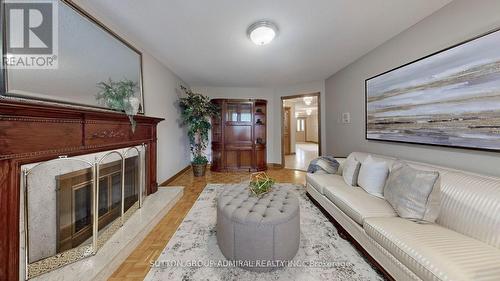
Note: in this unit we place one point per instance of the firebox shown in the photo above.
(74, 208)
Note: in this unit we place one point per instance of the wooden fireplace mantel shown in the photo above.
(34, 132)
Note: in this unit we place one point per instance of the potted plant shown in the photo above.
(120, 95)
(196, 111)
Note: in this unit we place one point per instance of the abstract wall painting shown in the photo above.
(450, 98)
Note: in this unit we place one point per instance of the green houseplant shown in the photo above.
(120, 95)
(196, 110)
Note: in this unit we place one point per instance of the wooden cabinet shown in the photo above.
(239, 135)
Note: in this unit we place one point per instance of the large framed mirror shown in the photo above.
(86, 63)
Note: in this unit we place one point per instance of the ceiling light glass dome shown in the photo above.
(262, 32)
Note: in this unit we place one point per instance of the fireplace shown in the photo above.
(61, 197)
(74, 200)
(40, 132)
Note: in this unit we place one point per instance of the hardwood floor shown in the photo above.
(136, 266)
(304, 153)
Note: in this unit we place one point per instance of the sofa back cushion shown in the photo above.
(470, 203)
(413, 193)
(351, 170)
(373, 175)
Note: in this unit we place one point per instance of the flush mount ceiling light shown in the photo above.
(262, 32)
(308, 100)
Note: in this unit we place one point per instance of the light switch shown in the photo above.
(346, 118)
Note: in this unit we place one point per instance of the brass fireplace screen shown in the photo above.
(73, 197)
(112, 186)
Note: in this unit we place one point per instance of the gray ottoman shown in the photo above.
(252, 229)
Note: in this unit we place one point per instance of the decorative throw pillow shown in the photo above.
(350, 171)
(414, 194)
(372, 176)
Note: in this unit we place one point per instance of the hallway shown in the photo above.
(305, 152)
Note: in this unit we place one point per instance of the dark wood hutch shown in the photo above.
(239, 135)
(35, 132)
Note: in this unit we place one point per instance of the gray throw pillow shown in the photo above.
(350, 171)
(414, 194)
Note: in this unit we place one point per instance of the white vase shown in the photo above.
(134, 105)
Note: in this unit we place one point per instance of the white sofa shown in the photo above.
(463, 244)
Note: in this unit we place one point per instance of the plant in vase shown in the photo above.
(120, 95)
(196, 111)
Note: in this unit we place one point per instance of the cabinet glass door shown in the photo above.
(245, 112)
(232, 112)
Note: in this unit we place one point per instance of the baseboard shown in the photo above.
(274, 165)
(174, 177)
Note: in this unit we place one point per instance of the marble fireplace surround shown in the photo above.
(42, 211)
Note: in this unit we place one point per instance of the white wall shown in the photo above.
(312, 127)
(161, 89)
(161, 95)
(456, 22)
(273, 97)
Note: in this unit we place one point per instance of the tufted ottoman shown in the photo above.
(252, 229)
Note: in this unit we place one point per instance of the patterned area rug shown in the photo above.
(193, 254)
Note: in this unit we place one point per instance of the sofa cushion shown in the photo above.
(433, 252)
(358, 204)
(351, 170)
(413, 193)
(372, 176)
(319, 181)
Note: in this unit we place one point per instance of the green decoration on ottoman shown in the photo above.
(260, 183)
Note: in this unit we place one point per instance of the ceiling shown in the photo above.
(205, 44)
(300, 106)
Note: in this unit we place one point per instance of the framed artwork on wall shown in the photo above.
(449, 98)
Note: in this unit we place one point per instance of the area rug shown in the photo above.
(193, 254)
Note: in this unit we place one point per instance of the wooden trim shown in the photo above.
(283, 98)
(299, 96)
(275, 165)
(287, 108)
(177, 175)
(346, 236)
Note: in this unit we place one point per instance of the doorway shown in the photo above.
(301, 133)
